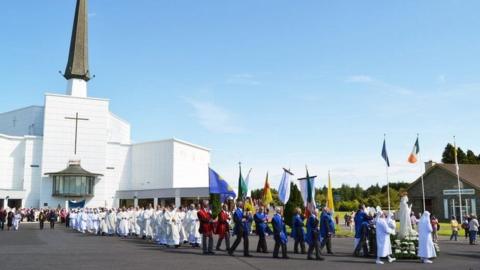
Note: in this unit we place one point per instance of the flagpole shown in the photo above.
(388, 182)
(458, 179)
(422, 167)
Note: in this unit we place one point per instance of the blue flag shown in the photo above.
(384, 153)
(217, 185)
(284, 188)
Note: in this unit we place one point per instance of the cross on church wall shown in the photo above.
(76, 118)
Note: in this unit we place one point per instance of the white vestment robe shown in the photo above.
(147, 223)
(173, 235)
(181, 229)
(426, 249)
(111, 222)
(192, 227)
(383, 231)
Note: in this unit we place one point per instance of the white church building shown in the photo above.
(74, 149)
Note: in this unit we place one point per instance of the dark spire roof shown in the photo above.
(77, 66)
(74, 169)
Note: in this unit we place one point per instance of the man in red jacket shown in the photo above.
(206, 228)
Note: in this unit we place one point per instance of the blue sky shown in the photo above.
(271, 83)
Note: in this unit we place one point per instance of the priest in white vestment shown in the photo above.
(95, 222)
(111, 222)
(147, 222)
(192, 227)
(383, 232)
(426, 248)
(173, 236)
(123, 226)
(181, 229)
(139, 223)
(102, 216)
(73, 219)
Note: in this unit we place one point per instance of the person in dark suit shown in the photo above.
(240, 229)
(279, 234)
(261, 228)
(327, 230)
(313, 234)
(298, 232)
(41, 219)
(52, 217)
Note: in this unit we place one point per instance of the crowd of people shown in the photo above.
(172, 227)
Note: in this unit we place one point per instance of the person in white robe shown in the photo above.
(147, 222)
(131, 221)
(181, 229)
(155, 223)
(162, 228)
(83, 221)
(79, 220)
(426, 248)
(173, 235)
(90, 228)
(123, 223)
(193, 226)
(95, 222)
(383, 232)
(102, 216)
(73, 219)
(16, 220)
(111, 222)
(139, 222)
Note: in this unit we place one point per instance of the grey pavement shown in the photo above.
(30, 248)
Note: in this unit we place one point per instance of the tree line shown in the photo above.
(469, 157)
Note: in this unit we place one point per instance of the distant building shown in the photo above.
(441, 190)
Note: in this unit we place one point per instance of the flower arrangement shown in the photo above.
(407, 248)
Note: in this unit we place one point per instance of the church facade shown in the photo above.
(73, 148)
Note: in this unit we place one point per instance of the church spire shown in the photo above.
(77, 66)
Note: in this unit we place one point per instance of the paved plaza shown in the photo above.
(30, 248)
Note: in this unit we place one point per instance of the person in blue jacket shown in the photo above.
(313, 236)
(327, 230)
(360, 216)
(260, 219)
(241, 230)
(298, 232)
(279, 234)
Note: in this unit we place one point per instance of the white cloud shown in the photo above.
(368, 80)
(214, 117)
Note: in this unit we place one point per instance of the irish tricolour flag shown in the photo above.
(413, 156)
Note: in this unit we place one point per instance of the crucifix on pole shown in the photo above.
(76, 118)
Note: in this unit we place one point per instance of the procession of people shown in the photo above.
(195, 226)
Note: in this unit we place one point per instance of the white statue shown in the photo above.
(404, 216)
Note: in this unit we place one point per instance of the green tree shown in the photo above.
(294, 201)
(448, 155)
(215, 204)
(471, 157)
